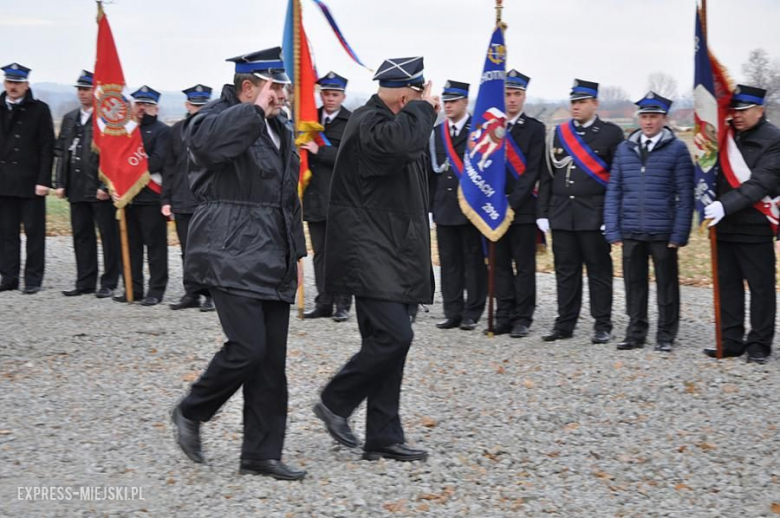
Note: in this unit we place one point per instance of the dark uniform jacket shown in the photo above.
(316, 195)
(760, 147)
(529, 134)
(379, 204)
(77, 164)
(155, 136)
(651, 201)
(26, 146)
(444, 186)
(246, 235)
(568, 196)
(176, 190)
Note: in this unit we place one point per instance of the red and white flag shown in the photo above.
(116, 135)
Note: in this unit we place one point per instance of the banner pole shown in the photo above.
(126, 271)
(296, 128)
(491, 284)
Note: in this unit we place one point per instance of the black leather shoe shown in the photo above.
(187, 301)
(664, 346)
(499, 329)
(271, 468)
(337, 426)
(208, 305)
(727, 353)
(601, 337)
(519, 331)
(319, 312)
(31, 290)
(628, 344)
(9, 287)
(122, 298)
(448, 323)
(104, 293)
(760, 359)
(150, 301)
(556, 335)
(78, 291)
(396, 452)
(187, 435)
(468, 324)
(341, 315)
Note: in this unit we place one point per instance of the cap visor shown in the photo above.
(275, 77)
(742, 106)
(329, 87)
(16, 79)
(579, 97)
(452, 97)
(515, 87)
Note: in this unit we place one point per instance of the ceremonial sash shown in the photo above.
(736, 171)
(155, 182)
(582, 153)
(322, 140)
(455, 160)
(515, 159)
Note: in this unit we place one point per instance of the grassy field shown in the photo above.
(695, 267)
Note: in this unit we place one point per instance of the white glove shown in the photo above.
(543, 224)
(715, 212)
(603, 228)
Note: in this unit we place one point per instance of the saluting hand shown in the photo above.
(432, 99)
(267, 97)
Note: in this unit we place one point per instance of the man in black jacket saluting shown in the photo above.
(381, 252)
(245, 239)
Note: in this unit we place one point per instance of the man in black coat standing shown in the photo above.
(461, 251)
(381, 253)
(146, 226)
(177, 198)
(515, 255)
(90, 204)
(571, 203)
(26, 156)
(245, 240)
(333, 117)
(746, 218)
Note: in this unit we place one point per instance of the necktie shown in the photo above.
(453, 131)
(327, 120)
(645, 150)
(510, 126)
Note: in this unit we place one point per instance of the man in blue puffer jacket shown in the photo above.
(648, 210)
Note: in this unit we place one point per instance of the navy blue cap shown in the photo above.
(401, 73)
(584, 90)
(654, 103)
(454, 90)
(198, 94)
(516, 81)
(746, 97)
(146, 94)
(332, 81)
(266, 64)
(16, 73)
(86, 79)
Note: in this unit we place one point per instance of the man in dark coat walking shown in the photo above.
(26, 156)
(90, 204)
(177, 198)
(245, 240)
(381, 253)
(515, 255)
(146, 226)
(333, 117)
(571, 203)
(648, 210)
(746, 218)
(461, 251)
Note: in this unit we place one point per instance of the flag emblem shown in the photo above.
(113, 110)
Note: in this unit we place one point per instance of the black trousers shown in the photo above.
(375, 373)
(515, 278)
(754, 263)
(317, 231)
(15, 212)
(462, 260)
(147, 227)
(254, 357)
(182, 221)
(83, 218)
(571, 251)
(667, 281)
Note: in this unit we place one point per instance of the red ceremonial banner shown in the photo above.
(116, 135)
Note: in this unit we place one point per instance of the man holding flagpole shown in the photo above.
(746, 216)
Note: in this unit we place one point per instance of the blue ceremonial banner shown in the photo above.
(706, 122)
(482, 192)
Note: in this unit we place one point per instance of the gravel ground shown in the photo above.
(515, 427)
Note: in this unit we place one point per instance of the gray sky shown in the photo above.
(173, 44)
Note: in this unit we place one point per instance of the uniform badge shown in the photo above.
(198, 88)
(331, 76)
